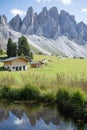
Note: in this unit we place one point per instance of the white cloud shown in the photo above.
(46, 0)
(38, 0)
(63, 1)
(66, 1)
(17, 11)
(84, 10)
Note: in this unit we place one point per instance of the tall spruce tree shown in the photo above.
(14, 49)
(11, 48)
(23, 47)
(1, 50)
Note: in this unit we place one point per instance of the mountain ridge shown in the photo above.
(50, 24)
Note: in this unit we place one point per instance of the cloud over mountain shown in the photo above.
(66, 2)
(17, 11)
(46, 0)
(84, 10)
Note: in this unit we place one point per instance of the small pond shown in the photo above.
(19, 116)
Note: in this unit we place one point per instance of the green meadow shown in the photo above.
(58, 72)
(65, 72)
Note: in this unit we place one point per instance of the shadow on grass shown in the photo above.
(2, 69)
(1, 60)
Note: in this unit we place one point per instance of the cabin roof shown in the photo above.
(13, 58)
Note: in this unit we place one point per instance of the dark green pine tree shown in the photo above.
(11, 48)
(1, 50)
(14, 49)
(23, 47)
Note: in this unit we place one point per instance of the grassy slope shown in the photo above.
(58, 72)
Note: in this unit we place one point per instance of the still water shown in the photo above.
(19, 116)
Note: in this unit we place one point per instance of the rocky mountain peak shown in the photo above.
(29, 13)
(67, 15)
(44, 11)
(53, 12)
(16, 22)
(81, 24)
(68, 25)
(28, 22)
(30, 10)
(82, 30)
(53, 9)
(50, 24)
(42, 17)
(3, 20)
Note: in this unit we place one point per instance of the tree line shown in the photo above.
(21, 48)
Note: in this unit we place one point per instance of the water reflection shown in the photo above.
(27, 117)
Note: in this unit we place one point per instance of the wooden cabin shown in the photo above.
(16, 63)
(35, 64)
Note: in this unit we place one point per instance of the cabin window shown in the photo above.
(13, 67)
(23, 67)
(8, 68)
(16, 68)
(20, 68)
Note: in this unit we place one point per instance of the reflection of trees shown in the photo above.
(33, 119)
(34, 114)
(79, 123)
(48, 116)
(45, 114)
(18, 113)
(4, 114)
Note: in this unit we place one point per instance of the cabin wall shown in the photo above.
(16, 65)
(7, 64)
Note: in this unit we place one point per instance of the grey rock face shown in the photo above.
(42, 17)
(53, 12)
(68, 25)
(55, 24)
(46, 23)
(50, 24)
(28, 22)
(3, 20)
(82, 30)
(15, 23)
(41, 21)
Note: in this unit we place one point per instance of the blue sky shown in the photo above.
(75, 7)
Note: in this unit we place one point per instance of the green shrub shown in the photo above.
(48, 97)
(72, 103)
(13, 94)
(29, 93)
(77, 104)
(62, 96)
(26, 93)
(84, 111)
(63, 100)
(5, 92)
(78, 98)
